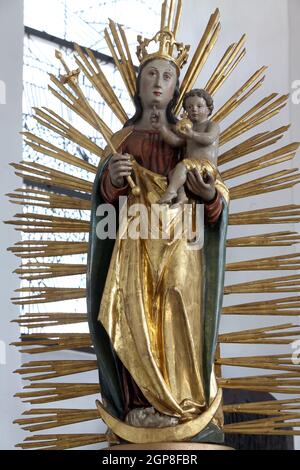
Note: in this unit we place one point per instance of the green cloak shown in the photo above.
(99, 255)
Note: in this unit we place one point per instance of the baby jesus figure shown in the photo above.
(199, 136)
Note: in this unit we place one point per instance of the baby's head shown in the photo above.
(198, 104)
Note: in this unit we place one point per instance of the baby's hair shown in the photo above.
(202, 94)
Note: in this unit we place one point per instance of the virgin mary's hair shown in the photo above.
(201, 94)
(171, 118)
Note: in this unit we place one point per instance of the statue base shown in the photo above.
(170, 446)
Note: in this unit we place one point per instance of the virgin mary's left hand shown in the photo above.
(205, 190)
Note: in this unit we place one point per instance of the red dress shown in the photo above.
(151, 152)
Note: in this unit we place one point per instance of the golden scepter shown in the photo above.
(134, 188)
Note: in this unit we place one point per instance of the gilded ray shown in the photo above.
(177, 17)
(41, 295)
(50, 392)
(285, 179)
(72, 102)
(49, 342)
(276, 157)
(273, 263)
(170, 14)
(118, 46)
(241, 95)
(287, 383)
(43, 320)
(261, 112)
(272, 215)
(266, 239)
(74, 97)
(47, 248)
(275, 284)
(55, 123)
(232, 57)
(45, 418)
(92, 70)
(47, 199)
(36, 173)
(283, 362)
(201, 55)
(163, 15)
(269, 407)
(40, 223)
(61, 441)
(253, 144)
(274, 426)
(279, 334)
(287, 306)
(44, 370)
(39, 271)
(42, 146)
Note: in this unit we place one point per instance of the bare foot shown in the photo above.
(149, 418)
(181, 198)
(180, 201)
(168, 197)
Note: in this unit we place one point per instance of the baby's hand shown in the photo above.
(185, 131)
(155, 119)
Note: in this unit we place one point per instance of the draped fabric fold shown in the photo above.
(154, 306)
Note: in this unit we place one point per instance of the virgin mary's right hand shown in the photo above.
(120, 166)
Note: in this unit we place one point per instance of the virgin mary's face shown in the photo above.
(158, 83)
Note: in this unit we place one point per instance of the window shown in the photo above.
(56, 24)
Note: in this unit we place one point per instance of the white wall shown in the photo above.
(294, 70)
(294, 47)
(272, 33)
(11, 41)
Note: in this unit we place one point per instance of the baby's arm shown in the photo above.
(209, 137)
(171, 138)
(166, 133)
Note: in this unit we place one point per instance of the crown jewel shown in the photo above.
(168, 48)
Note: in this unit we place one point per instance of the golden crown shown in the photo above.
(169, 48)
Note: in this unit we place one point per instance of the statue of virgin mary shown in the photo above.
(154, 303)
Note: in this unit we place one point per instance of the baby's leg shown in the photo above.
(176, 181)
(181, 197)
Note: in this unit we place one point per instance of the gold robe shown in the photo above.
(152, 308)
